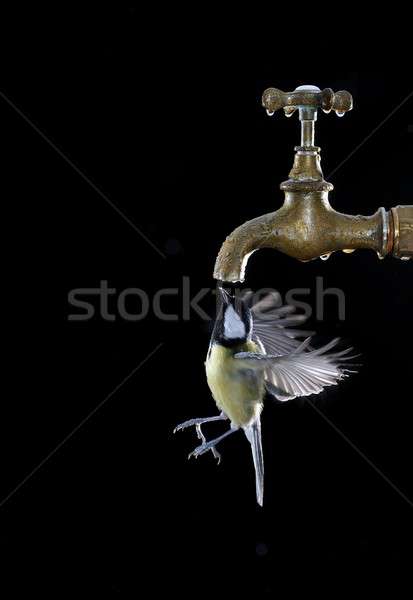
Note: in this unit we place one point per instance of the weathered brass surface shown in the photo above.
(273, 99)
(306, 226)
(307, 166)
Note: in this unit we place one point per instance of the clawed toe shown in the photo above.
(199, 450)
(202, 449)
(205, 446)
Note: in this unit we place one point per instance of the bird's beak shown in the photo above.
(224, 295)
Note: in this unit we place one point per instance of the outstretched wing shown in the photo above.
(302, 372)
(273, 324)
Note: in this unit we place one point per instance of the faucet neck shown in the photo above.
(307, 164)
(308, 117)
(306, 174)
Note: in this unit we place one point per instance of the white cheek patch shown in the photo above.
(233, 324)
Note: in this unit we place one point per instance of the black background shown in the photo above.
(177, 140)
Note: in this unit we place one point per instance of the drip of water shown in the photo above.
(380, 256)
(339, 113)
(270, 112)
(325, 256)
(288, 113)
(326, 110)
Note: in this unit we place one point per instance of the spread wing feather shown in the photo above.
(302, 372)
(272, 324)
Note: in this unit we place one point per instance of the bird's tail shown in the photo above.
(253, 433)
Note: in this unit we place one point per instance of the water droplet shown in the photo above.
(325, 256)
(289, 111)
(348, 250)
(326, 110)
(339, 113)
(405, 257)
(380, 256)
(270, 112)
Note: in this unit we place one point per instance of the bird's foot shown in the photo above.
(197, 424)
(206, 446)
(201, 437)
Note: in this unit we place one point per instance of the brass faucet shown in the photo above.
(306, 226)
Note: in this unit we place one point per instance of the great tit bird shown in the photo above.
(253, 350)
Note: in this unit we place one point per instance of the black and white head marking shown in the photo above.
(234, 327)
(234, 322)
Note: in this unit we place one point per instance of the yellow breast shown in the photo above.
(237, 391)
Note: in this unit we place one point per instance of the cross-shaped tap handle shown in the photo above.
(307, 97)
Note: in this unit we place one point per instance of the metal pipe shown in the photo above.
(307, 133)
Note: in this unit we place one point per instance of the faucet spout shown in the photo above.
(305, 227)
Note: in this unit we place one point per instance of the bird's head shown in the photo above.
(233, 325)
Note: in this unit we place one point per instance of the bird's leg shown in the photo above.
(203, 440)
(200, 421)
(205, 446)
(197, 423)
